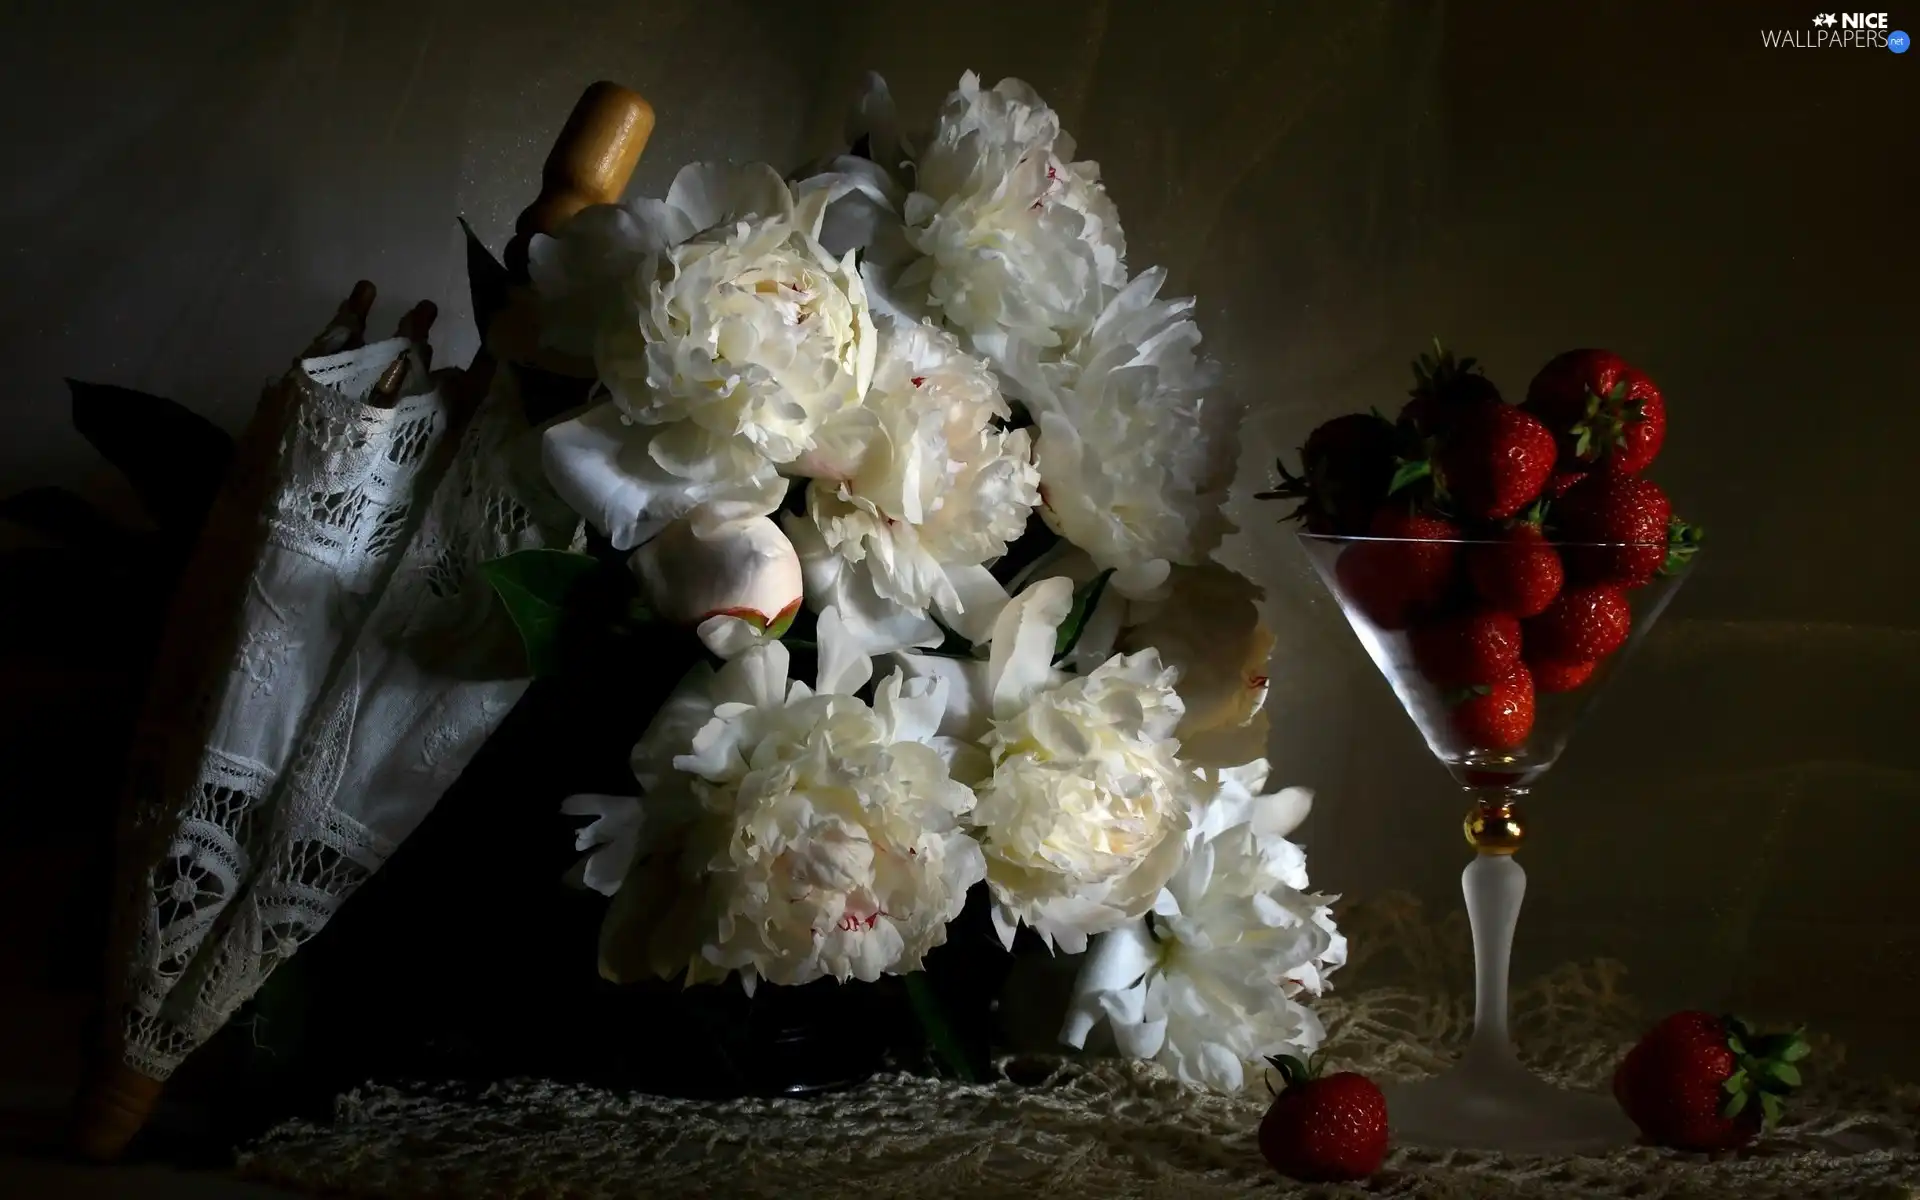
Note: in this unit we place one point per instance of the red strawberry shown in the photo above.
(1704, 1083)
(1472, 647)
(1324, 1128)
(1559, 675)
(1393, 581)
(1626, 510)
(1499, 715)
(1600, 409)
(1494, 460)
(1560, 481)
(1442, 387)
(1585, 624)
(1345, 467)
(1517, 571)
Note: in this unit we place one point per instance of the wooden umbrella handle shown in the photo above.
(590, 164)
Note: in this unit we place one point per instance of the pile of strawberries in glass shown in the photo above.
(1511, 535)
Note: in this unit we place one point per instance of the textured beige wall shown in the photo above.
(1339, 181)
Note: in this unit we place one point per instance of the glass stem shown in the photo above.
(1493, 885)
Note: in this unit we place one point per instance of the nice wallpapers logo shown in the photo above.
(1840, 31)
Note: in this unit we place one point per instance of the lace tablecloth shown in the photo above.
(1093, 1128)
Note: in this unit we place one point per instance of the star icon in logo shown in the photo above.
(1826, 19)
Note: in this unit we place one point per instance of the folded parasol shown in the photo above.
(332, 660)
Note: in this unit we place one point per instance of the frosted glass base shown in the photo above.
(1490, 1103)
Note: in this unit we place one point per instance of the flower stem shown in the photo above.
(933, 1024)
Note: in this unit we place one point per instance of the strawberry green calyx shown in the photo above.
(1764, 1072)
(1290, 487)
(1604, 425)
(1408, 472)
(1433, 373)
(1459, 696)
(1413, 455)
(1683, 540)
(1295, 1071)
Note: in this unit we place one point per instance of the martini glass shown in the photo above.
(1397, 594)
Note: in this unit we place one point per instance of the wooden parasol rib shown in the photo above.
(590, 163)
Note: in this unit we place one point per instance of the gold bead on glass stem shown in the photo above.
(1493, 825)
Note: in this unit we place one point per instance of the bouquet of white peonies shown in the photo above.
(910, 419)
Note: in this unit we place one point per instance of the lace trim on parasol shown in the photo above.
(264, 861)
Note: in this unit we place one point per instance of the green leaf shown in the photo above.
(538, 587)
(952, 645)
(1736, 1044)
(1086, 598)
(174, 458)
(1795, 1050)
(1736, 1082)
(1737, 1105)
(1027, 549)
(1409, 473)
(1785, 1073)
(487, 281)
(933, 1023)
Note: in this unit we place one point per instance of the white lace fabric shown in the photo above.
(1099, 1129)
(365, 668)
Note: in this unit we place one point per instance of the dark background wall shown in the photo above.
(191, 187)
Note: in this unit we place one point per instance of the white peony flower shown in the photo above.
(609, 840)
(1205, 622)
(1022, 247)
(1208, 985)
(632, 481)
(918, 490)
(1135, 459)
(817, 835)
(724, 332)
(1082, 802)
(753, 331)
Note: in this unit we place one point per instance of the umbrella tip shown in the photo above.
(113, 1109)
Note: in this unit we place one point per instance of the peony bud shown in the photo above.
(744, 569)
